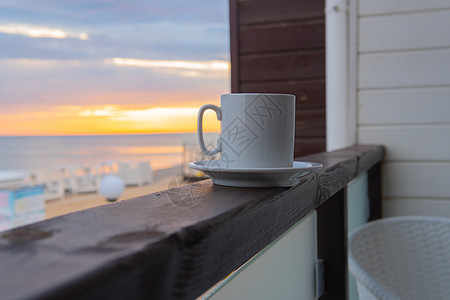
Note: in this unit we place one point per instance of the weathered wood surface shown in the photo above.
(266, 11)
(309, 123)
(279, 47)
(234, 50)
(282, 37)
(173, 244)
(282, 66)
(307, 145)
(309, 93)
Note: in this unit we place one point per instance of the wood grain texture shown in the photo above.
(173, 244)
(282, 66)
(308, 93)
(310, 123)
(282, 37)
(307, 145)
(405, 31)
(234, 45)
(266, 11)
(278, 47)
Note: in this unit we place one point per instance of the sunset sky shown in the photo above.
(110, 67)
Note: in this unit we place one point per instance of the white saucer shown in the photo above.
(255, 177)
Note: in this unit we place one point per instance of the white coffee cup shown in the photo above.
(257, 130)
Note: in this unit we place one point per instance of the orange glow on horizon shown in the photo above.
(105, 120)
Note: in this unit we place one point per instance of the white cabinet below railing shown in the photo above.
(282, 270)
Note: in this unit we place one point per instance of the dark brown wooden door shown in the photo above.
(278, 46)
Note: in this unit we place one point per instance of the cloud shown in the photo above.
(135, 53)
(34, 82)
(32, 62)
(41, 32)
(215, 68)
(156, 119)
(213, 65)
(169, 41)
(120, 113)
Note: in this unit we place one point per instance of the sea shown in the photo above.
(34, 153)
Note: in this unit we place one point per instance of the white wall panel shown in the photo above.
(404, 69)
(405, 106)
(400, 32)
(370, 7)
(404, 100)
(283, 270)
(357, 214)
(414, 207)
(416, 180)
(429, 142)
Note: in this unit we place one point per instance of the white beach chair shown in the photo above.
(139, 173)
(107, 168)
(146, 172)
(402, 258)
(53, 182)
(11, 179)
(82, 179)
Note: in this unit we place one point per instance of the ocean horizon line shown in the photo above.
(45, 152)
(96, 135)
(108, 134)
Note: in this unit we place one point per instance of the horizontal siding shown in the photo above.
(414, 207)
(372, 7)
(279, 47)
(416, 180)
(405, 106)
(282, 37)
(400, 32)
(412, 142)
(264, 11)
(310, 122)
(309, 93)
(305, 146)
(406, 69)
(282, 66)
(404, 100)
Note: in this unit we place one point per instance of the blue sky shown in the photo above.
(60, 54)
(144, 29)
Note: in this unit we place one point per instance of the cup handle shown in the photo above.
(201, 141)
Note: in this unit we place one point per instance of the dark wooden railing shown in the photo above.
(177, 243)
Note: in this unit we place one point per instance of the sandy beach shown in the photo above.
(163, 179)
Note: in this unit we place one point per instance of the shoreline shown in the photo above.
(72, 203)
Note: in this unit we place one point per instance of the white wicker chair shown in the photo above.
(402, 258)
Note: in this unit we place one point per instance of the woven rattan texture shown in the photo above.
(402, 258)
